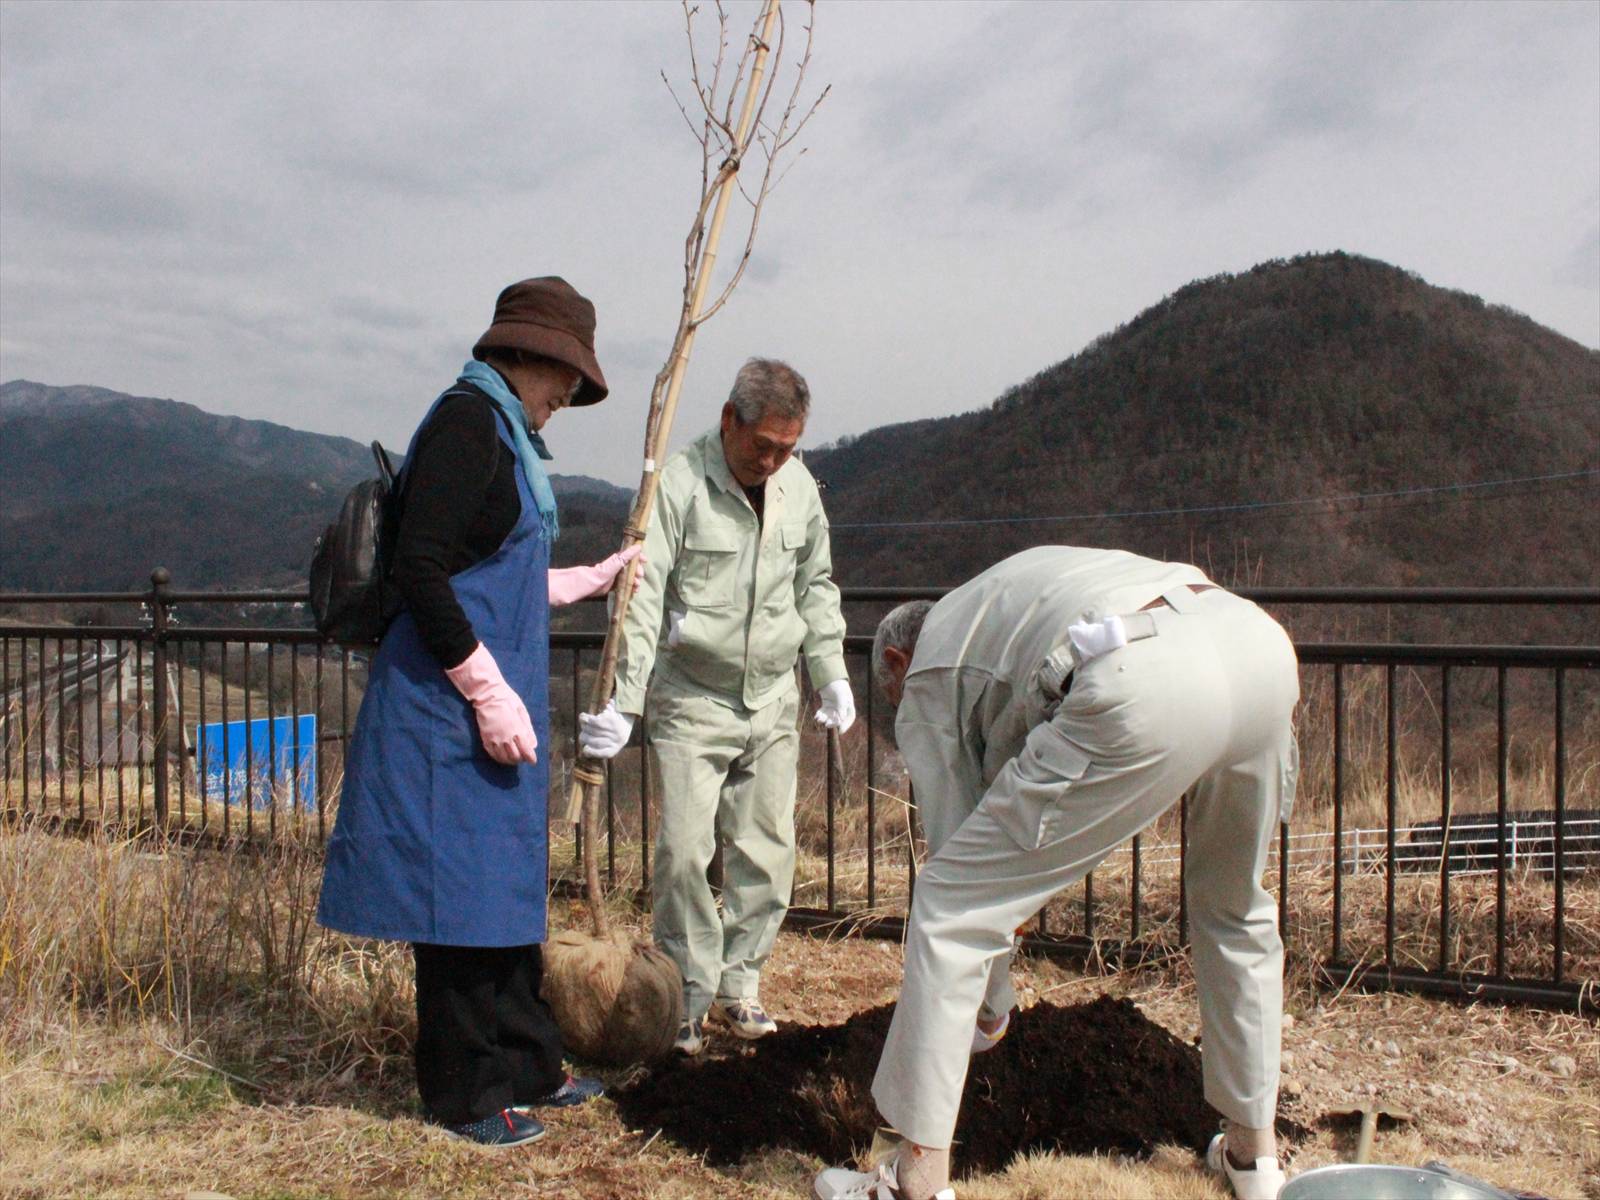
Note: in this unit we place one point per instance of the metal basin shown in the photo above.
(1370, 1181)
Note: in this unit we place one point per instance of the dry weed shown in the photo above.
(171, 1021)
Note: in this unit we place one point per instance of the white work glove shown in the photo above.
(838, 709)
(602, 734)
(1101, 637)
(674, 628)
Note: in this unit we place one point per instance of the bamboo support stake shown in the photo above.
(589, 774)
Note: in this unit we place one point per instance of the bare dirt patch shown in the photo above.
(1117, 1083)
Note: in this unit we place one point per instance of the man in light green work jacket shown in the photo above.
(737, 585)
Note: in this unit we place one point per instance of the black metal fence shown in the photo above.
(1446, 835)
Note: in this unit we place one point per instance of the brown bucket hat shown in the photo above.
(547, 316)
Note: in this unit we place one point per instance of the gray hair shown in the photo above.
(765, 385)
(899, 629)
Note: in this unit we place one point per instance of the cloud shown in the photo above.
(372, 313)
(633, 355)
(94, 202)
(304, 212)
(1582, 267)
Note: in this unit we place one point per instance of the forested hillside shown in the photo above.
(1328, 420)
(97, 488)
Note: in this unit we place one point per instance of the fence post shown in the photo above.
(835, 773)
(161, 735)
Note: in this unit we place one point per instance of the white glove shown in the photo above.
(674, 628)
(838, 709)
(1102, 637)
(602, 734)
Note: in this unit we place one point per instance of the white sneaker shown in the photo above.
(1262, 1183)
(691, 1038)
(841, 1183)
(983, 1042)
(744, 1018)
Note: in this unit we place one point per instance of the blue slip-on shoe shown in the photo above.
(578, 1089)
(503, 1129)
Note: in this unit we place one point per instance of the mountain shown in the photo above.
(1326, 420)
(99, 487)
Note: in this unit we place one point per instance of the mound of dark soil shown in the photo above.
(1092, 1077)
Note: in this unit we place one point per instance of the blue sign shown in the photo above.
(242, 762)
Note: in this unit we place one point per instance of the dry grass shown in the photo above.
(1470, 945)
(172, 1022)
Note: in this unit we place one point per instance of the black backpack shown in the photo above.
(353, 598)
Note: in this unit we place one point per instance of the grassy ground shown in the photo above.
(170, 1025)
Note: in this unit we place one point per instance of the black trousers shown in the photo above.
(485, 1039)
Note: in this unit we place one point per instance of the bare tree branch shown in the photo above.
(772, 141)
(681, 109)
(722, 156)
(725, 145)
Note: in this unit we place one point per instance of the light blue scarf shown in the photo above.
(530, 446)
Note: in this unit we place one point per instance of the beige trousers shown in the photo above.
(728, 774)
(1203, 705)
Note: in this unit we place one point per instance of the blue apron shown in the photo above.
(435, 841)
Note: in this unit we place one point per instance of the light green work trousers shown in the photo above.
(728, 775)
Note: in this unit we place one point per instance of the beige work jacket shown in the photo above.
(752, 594)
(978, 685)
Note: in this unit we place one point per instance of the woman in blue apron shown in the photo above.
(441, 836)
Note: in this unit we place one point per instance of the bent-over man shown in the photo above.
(1049, 710)
(737, 583)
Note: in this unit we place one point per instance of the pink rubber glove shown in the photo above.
(502, 719)
(579, 583)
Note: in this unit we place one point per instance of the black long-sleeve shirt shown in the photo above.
(458, 503)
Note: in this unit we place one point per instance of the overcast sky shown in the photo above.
(303, 211)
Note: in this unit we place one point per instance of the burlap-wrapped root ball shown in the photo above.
(617, 1001)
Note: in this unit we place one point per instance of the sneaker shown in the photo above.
(1263, 1182)
(745, 1018)
(841, 1183)
(575, 1091)
(508, 1127)
(691, 1038)
(983, 1042)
